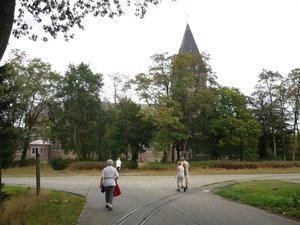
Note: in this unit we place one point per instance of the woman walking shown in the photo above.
(180, 176)
(108, 179)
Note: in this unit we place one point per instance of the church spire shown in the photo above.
(188, 43)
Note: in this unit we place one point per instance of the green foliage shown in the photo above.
(62, 16)
(76, 114)
(227, 127)
(24, 162)
(9, 134)
(156, 166)
(274, 195)
(129, 165)
(271, 156)
(60, 163)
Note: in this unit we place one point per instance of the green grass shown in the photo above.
(273, 195)
(50, 207)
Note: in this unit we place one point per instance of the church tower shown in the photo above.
(198, 67)
(188, 43)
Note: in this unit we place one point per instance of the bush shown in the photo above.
(59, 163)
(24, 162)
(158, 166)
(129, 165)
(87, 165)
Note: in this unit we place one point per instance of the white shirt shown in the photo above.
(109, 174)
(118, 163)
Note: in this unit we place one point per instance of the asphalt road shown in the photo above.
(154, 200)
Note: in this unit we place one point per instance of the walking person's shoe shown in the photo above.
(110, 208)
(178, 189)
(106, 205)
(184, 189)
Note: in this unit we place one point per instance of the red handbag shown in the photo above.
(117, 190)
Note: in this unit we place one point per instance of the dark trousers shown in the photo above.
(109, 194)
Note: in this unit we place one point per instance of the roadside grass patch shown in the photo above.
(24, 206)
(273, 195)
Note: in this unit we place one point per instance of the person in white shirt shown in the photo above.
(180, 176)
(118, 165)
(109, 177)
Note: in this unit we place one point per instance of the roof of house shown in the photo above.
(188, 43)
(39, 142)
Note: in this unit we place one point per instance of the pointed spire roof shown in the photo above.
(188, 43)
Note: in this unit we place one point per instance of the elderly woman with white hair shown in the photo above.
(108, 179)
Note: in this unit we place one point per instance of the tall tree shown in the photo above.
(191, 76)
(283, 130)
(9, 115)
(36, 83)
(169, 129)
(228, 127)
(62, 16)
(76, 116)
(134, 131)
(155, 89)
(293, 83)
(268, 82)
(176, 80)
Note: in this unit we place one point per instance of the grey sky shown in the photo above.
(242, 38)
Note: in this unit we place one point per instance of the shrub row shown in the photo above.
(61, 164)
(255, 165)
(229, 165)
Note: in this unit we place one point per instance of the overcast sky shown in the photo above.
(242, 38)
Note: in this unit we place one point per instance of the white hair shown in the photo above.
(110, 162)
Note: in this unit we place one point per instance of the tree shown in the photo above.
(133, 130)
(77, 112)
(293, 81)
(283, 130)
(268, 82)
(228, 127)
(155, 89)
(154, 86)
(62, 16)
(173, 84)
(36, 87)
(169, 129)
(191, 75)
(9, 114)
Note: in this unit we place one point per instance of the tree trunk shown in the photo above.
(25, 147)
(274, 141)
(7, 10)
(294, 135)
(178, 151)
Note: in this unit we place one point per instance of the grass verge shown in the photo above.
(276, 196)
(24, 206)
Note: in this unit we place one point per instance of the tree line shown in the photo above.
(186, 110)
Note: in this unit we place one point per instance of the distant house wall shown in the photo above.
(48, 150)
(149, 156)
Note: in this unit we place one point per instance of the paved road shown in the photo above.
(154, 200)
